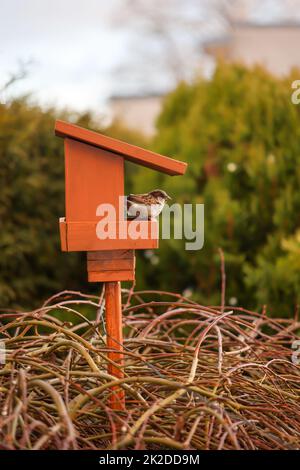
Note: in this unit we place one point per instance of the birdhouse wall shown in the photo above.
(93, 176)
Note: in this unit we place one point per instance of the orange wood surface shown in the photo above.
(63, 234)
(129, 152)
(113, 309)
(93, 177)
(116, 254)
(117, 265)
(111, 265)
(81, 236)
(108, 276)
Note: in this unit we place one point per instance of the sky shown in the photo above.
(73, 49)
(68, 46)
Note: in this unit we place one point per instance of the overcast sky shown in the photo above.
(76, 51)
(72, 47)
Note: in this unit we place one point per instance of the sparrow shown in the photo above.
(146, 206)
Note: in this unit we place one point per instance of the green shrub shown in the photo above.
(240, 134)
(32, 267)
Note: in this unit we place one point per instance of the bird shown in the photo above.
(146, 206)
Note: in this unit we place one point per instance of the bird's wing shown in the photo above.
(137, 198)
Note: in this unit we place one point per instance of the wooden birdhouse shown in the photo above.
(94, 175)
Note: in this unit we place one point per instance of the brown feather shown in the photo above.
(145, 199)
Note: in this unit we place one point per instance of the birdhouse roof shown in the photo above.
(130, 152)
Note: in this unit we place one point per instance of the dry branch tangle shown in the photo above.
(195, 378)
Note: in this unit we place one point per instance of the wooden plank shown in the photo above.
(112, 268)
(108, 276)
(81, 236)
(93, 177)
(115, 254)
(111, 265)
(63, 234)
(87, 244)
(113, 316)
(130, 152)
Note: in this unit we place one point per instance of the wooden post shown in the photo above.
(112, 267)
(113, 309)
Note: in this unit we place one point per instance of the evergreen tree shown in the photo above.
(240, 134)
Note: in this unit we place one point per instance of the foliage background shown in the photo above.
(240, 134)
(32, 266)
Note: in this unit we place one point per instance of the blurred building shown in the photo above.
(137, 112)
(274, 46)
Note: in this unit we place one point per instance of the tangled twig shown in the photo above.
(196, 377)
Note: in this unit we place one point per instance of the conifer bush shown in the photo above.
(240, 134)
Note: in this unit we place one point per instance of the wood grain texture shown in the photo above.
(63, 234)
(114, 331)
(111, 265)
(108, 276)
(93, 177)
(130, 152)
(81, 236)
(115, 254)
